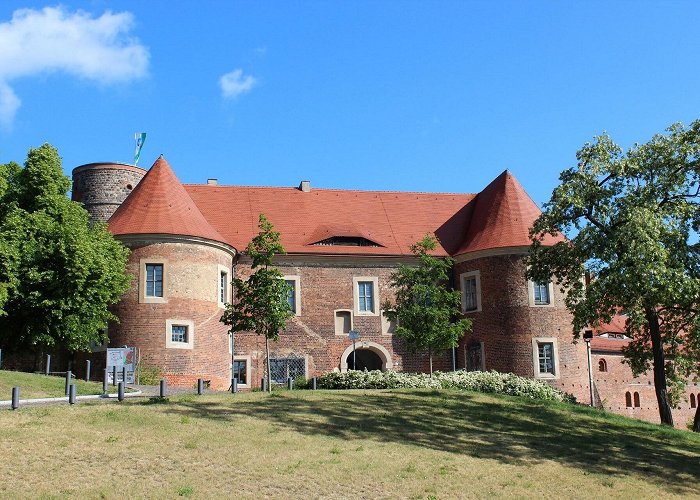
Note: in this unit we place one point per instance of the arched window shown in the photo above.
(636, 400)
(628, 400)
(602, 365)
(692, 401)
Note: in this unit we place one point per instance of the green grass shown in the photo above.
(363, 443)
(32, 386)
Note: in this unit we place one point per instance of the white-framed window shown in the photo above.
(540, 294)
(471, 291)
(343, 321)
(388, 326)
(366, 295)
(222, 295)
(179, 334)
(241, 370)
(293, 294)
(545, 357)
(153, 282)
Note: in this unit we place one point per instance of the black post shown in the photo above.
(88, 364)
(114, 375)
(48, 364)
(105, 381)
(313, 383)
(15, 398)
(234, 385)
(68, 377)
(200, 386)
(120, 391)
(290, 383)
(71, 394)
(163, 388)
(263, 384)
(124, 374)
(0, 358)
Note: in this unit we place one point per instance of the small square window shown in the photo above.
(541, 294)
(179, 334)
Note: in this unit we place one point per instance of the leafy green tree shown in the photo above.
(426, 308)
(631, 219)
(58, 273)
(260, 303)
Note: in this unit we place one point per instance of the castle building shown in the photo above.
(342, 246)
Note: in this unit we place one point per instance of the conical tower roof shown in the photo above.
(159, 204)
(503, 215)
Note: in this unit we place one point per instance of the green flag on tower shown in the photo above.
(140, 139)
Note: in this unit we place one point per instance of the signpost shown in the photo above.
(353, 335)
(121, 360)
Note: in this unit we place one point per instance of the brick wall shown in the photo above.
(102, 187)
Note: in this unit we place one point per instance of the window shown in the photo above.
(366, 295)
(240, 371)
(545, 357)
(628, 399)
(602, 366)
(343, 322)
(475, 357)
(223, 285)
(154, 280)
(293, 294)
(541, 293)
(471, 291)
(179, 334)
(636, 400)
(283, 368)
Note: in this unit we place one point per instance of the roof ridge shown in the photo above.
(292, 188)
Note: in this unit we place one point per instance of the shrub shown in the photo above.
(493, 382)
(148, 374)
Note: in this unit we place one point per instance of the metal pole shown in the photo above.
(290, 383)
(163, 388)
(124, 374)
(313, 383)
(234, 385)
(88, 365)
(200, 386)
(105, 381)
(114, 375)
(354, 361)
(590, 371)
(15, 398)
(71, 394)
(120, 391)
(0, 358)
(454, 360)
(68, 377)
(48, 364)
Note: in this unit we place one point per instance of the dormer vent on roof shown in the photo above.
(347, 241)
(305, 186)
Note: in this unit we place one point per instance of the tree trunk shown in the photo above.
(696, 422)
(659, 366)
(267, 360)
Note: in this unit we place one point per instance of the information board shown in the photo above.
(121, 357)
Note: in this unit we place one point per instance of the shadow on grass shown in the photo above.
(511, 430)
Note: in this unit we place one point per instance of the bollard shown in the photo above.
(0, 358)
(200, 386)
(114, 375)
(313, 383)
(71, 394)
(162, 388)
(234, 384)
(105, 381)
(15, 398)
(290, 383)
(120, 391)
(68, 377)
(87, 370)
(48, 364)
(263, 384)
(124, 374)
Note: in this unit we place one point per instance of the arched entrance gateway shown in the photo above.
(368, 355)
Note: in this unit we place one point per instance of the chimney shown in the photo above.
(212, 182)
(305, 186)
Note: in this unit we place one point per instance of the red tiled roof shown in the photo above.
(159, 204)
(393, 220)
(608, 345)
(503, 215)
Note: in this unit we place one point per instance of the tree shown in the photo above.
(631, 219)
(58, 273)
(261, 301)
(426, 308)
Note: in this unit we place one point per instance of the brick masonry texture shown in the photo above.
(103, 187)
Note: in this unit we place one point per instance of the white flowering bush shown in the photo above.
(494, 382)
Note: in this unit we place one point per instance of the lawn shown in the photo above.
(323, 444)
(41, 386)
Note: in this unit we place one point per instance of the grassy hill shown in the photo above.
(368, 444)
(40, 386)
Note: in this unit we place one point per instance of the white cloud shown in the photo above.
(53, 39)
(234, 83)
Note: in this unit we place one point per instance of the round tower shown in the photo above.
(102, 187)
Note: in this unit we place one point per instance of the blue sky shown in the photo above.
(391, 95)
